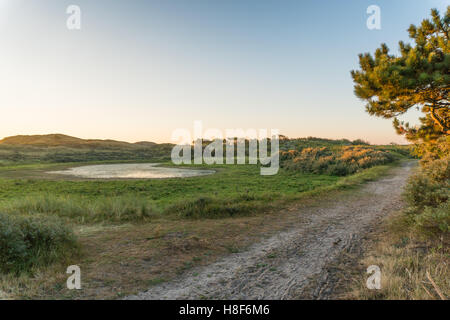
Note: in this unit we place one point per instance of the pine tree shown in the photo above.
(418, 78)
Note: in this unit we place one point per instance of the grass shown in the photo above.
(121, 254)
(136, 233)
(413, 266)
(64, 149)
(238, 188)
(414, 251)
(232, 191)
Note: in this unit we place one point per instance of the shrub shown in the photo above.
(428, 193)
(435, 219)
(205, 207)
(29, 242)
(339, 169)
(431, 185)
(360, 142)
(338, 161)
(122, 209)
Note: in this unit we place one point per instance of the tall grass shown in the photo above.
(413, 267)
(133, 209)
(81, 210)
(207, 207)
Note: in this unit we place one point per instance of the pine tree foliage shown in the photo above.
(418, 77)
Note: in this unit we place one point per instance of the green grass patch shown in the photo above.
(232, 191)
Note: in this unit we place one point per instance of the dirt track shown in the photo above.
(286, 265)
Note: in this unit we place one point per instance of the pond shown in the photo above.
(131, 171)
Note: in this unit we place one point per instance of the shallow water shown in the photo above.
(131, 171)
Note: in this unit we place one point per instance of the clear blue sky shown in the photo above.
(137, 70)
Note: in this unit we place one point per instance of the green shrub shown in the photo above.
(122, 209)
(339, 169)
(435, 219)
(431, 185)
(360, 142)
(29, 242)
(428, 192)
(337, 161)
(205, 207)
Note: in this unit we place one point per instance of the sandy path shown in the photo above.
(281, 267)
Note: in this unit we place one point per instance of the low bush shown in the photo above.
(30, 242)
(434, 219)
(340, 161)
(205, 207)
(428, 191)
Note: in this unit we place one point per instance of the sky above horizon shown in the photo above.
(138, 70)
